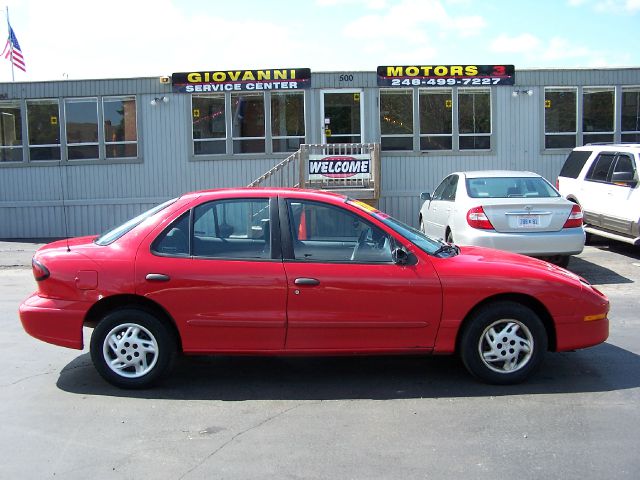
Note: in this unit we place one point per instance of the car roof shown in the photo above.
(608, 146)
(268, 191)
(498, 174)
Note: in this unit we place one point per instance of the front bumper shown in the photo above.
(54, 321)
(571, 336)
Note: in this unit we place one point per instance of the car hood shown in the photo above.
(511, 265)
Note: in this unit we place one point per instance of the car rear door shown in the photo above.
(344, 291)
(217, 270)
(622, 202)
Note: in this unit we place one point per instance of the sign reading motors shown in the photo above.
(241, 80)
(352, 167)
(446, 75)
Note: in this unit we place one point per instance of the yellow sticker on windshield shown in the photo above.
(364, 206)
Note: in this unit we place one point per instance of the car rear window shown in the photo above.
(114, 234)
(508, 187)
(574, 163)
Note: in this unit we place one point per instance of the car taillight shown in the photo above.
(476, 218)
(558, 184)
(575, 218)
(40, 272)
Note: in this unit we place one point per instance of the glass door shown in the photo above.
(342, 116)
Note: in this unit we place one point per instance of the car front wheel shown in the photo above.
(131, 348)
(503, 343)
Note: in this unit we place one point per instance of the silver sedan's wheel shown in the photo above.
(503, 342)
(130, 350)
(506, 346)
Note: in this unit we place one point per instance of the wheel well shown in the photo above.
(530, 302)
(98, 311)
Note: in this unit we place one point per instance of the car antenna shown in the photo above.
(64, 204)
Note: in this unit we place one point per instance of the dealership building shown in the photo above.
(77, 157)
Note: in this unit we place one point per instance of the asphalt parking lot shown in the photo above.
(357, 418)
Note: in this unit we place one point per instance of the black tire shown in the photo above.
(513, 355)
(145, 351)
(563, 261)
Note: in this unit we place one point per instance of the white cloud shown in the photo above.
(524, 43)
(608, 6)
(414, 23)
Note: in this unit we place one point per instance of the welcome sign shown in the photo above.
(351, 167)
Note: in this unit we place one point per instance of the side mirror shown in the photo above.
(424, 196)
(400, 256)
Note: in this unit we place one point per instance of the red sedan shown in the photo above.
(298, 272)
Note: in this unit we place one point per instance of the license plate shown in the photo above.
(530, 221)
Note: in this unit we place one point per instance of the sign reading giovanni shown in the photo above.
(352, 167)
(241, 80)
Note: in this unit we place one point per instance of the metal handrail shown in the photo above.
(291, 172)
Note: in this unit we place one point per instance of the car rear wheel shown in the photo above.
(503, 343)
(449, 237)
(131, 348)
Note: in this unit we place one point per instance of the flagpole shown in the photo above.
(13, 78)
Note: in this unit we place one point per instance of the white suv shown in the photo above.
(603, 180)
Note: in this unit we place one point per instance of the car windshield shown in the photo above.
(509, 187)
(114, 234)
(419, 239)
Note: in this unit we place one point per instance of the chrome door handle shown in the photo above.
(307, 281)
(157, 277)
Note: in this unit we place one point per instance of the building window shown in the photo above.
(209, 124)
(81, 123)
(287, 121)
(598, 114)
(436, 119)
(248, 122)
(560, 117)
(44, 129)
(630, 114)
(120, 127)
(10, 132)
(474, 119)
(396, 119)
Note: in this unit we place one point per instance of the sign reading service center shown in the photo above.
(241, 80)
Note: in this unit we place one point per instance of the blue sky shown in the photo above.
(80, 39)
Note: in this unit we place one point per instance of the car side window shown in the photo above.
(624, 165)
(599, 170)
(449, 193)
(232, 229)
(437, 193)
(325, 233)
(174, 240)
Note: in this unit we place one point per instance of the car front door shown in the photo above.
(440, 208)
(217, 272)
(344, 291)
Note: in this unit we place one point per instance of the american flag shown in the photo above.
(12, 51)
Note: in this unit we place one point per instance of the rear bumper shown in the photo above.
(54, 321)
(569, 241)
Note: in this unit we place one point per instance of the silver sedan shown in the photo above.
(519, 212)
